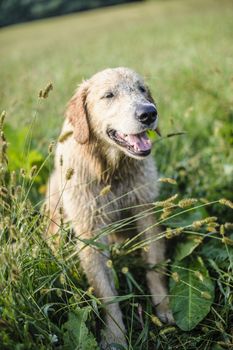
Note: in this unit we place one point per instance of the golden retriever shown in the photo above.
(104, 142)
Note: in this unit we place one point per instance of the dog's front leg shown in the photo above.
(154, 253)
(100, 278)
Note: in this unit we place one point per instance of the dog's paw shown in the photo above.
(110, 341)
(164, 313)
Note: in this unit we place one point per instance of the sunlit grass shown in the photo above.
(184, 50)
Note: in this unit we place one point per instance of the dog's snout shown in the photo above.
(146, 114)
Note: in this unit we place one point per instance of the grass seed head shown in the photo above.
(22, 172)
(69, 174)
(227, 241)
(51, 147)
(3, 191)
(45, 93)
(105, 190)
(156, 321)
(61, 160)
(168, 180)
(184, 203)
(62, 138)
(199, 275)
(90, 290)
(166, 213)
(2, 119)
(167, 330)
(167, 202)
(222, 230)
(33, 171)
(226, 202)
(125, 270)
(109, 264)
(209, 220)
(228, 225)
(175, 276)
(206, 295)
(171, 233)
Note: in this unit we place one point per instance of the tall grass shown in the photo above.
(185, 54)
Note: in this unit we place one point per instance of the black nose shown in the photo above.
(146, 114)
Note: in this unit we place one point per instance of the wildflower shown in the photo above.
(156, 321)
(125, 270)
(69, 174)
(184, 203)
(168, 180)
(105, 190)
(226, 202)
(65, 136)
(175, 277)
(109, 264)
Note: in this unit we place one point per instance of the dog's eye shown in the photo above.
(109, 95)
(141, 88)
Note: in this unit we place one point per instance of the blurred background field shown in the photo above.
(182, 48)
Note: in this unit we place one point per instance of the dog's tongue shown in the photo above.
(140, 142)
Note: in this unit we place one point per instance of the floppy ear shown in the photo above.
(150, 98)
(77, 114)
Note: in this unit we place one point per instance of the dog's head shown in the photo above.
(116, 107)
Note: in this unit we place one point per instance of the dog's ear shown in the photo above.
(76, 113)
(150, 98)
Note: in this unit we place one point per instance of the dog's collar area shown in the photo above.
(136, 144)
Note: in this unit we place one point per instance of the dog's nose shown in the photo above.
(146, 114)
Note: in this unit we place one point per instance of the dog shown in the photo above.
(104, 144)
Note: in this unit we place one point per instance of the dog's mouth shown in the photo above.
(136, 144)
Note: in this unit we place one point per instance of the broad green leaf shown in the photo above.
(76, 335)
(187, 246)
(192, 293)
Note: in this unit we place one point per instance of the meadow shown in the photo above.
(184, 50)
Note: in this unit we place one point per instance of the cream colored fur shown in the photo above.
(97, 162)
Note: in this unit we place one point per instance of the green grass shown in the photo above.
(184, 50)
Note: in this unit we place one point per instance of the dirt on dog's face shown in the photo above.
(120, 110)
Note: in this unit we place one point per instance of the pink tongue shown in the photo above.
(140, 142)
